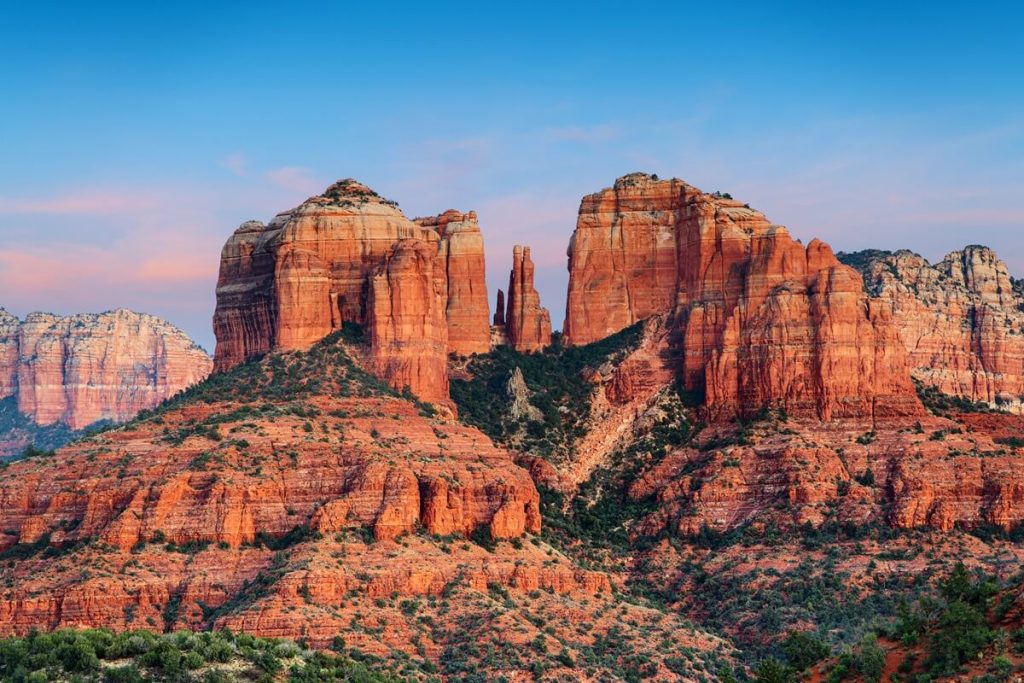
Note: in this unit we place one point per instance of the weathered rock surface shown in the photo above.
(519, 395)
(961, 320)
(785, 475)
(406, 320)
(292, 282)
(462, 257)
(81, 369)
(527, 323)
(762, 320)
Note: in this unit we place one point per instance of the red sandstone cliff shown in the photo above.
(461, 254)
(406, 320)
(527, 323)
(80, 369)
(961, 320)
(294, 281)
(761, 319)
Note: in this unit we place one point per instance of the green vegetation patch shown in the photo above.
(557, 388)
(136, 656)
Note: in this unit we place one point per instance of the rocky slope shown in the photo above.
(298, 496)
(288, 284)
(761, 320)
(961, 320)
(81, 369)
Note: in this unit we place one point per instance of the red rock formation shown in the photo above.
(937, 476)
(350, 459)
(462, 257)
(527, 324)
(406, 320)
(623, 256)
(80, 369)
(290, 283)
(961, 320)
(763, 320)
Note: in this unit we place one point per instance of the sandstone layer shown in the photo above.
(80, 369)
(760, 319)
(939, 474)
(961, 320)
(288, 284)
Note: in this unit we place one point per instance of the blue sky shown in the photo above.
(136, 136)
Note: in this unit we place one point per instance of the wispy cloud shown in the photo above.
(296, 179)
(237, 163)
(83, 202)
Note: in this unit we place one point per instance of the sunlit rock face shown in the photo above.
(761, 320)
(288, 284)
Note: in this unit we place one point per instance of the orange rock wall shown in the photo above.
(406, 320)
(462, 257)
(763, 321)
(292, 282)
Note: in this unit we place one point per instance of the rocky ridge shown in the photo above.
(961, 320)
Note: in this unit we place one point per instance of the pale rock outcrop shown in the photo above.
(80, 369)
(961, 320)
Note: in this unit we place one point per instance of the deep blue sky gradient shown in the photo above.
(136, 136)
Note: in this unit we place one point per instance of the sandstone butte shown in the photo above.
(80, 369)
(349, 255)
(961, 320)
(760, 319)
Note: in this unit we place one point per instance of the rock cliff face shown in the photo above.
(406, 320)
(961, 320)
(288, 284)
(761, 320)
(527, 323)
(462, 257)
(81, 369)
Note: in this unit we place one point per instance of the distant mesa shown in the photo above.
(74, 371)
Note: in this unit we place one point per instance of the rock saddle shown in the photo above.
(333, 260)
(761, 320)
(961, 320)
(80, 369)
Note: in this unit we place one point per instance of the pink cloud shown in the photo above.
(89, 201)
(237, 163)
(296, 179)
